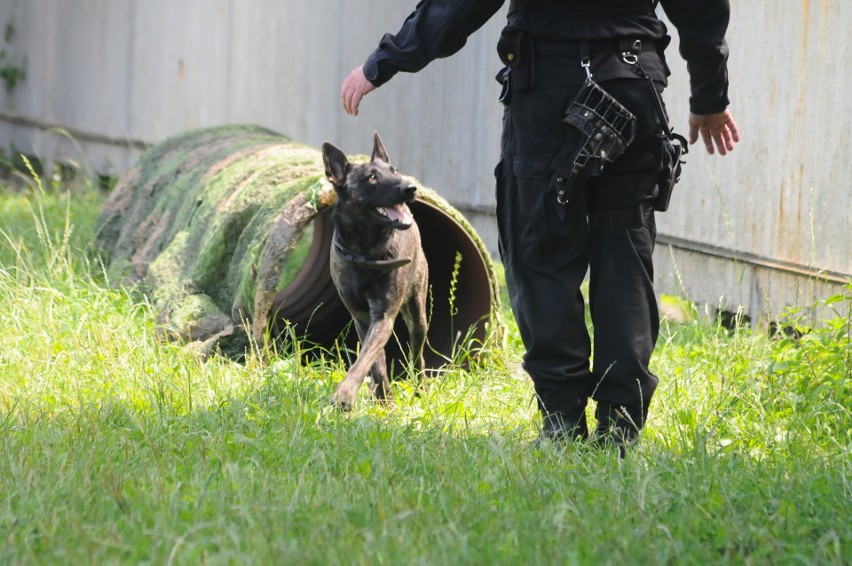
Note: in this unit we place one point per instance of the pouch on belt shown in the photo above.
(516, 51)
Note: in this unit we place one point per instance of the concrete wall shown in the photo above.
(770, 224)
(747, 229)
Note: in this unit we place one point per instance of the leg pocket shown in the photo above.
(543, 227)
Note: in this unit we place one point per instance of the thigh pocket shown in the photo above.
(542, 226)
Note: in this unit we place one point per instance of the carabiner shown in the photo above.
(631, 57)
(587, 66)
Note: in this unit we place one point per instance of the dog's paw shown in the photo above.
(343, 400)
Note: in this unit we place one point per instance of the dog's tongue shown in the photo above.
(398, 213)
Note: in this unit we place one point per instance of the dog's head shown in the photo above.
(373, 191)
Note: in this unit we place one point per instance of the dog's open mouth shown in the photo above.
(398, 215)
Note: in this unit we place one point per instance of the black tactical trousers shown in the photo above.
(547, 249)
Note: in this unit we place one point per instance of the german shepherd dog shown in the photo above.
(377, 263)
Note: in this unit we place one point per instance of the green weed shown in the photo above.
(118, 448)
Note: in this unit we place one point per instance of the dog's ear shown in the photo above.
(379, 149)
(336, 164)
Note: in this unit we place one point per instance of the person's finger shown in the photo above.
(351, 98)
(735, 133)
(348, 100)
(707, 139)
(353, 89)
(729, 138)
(719, 138)
(355, 101)
(346, 106)
(348, 90)
(725, 140)
(693, 133)
(344, 94)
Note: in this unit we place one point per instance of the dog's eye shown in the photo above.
(393, 169)
(373, 177)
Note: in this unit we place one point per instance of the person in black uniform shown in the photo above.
(607, 226)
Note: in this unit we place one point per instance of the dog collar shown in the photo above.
(364, 261)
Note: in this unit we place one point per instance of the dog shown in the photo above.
(377, 264)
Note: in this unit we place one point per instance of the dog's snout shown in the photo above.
(409, 190)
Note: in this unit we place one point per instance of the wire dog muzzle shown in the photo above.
(606, 128)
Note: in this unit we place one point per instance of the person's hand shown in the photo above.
(719, 128)
(353, 89)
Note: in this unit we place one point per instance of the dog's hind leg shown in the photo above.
(372, 344)
(379, 381)
(415, 320)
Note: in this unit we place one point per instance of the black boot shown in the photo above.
(618, 426)
(561, 427)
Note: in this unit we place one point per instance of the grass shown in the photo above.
(120, 449)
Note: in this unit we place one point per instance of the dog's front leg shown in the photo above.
(372, 344)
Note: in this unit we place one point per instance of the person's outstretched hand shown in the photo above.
(719, 128)
(353, 89)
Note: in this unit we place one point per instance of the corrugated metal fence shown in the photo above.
(766, 226)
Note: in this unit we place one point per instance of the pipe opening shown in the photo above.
(460, 291)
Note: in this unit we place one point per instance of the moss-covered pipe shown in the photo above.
(228, 231)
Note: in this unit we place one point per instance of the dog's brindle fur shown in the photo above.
(377, 264)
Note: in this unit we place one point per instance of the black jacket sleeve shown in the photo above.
(701, 25)
(436, 29)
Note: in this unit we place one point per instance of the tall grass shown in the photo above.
(119, 448)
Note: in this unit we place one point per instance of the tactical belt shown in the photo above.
(536, 10)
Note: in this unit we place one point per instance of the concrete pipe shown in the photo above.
(228, 231)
